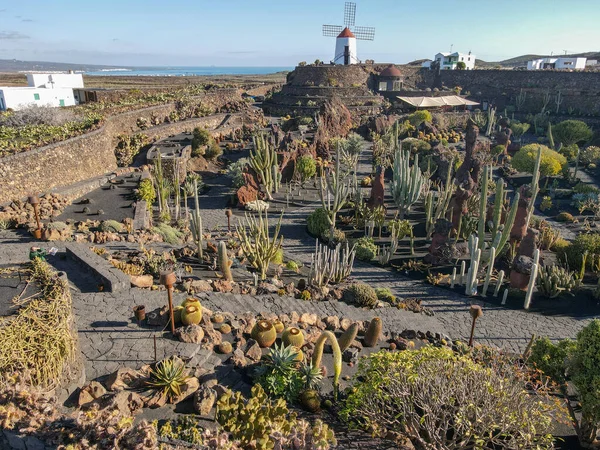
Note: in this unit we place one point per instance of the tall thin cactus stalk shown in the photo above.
(407, 182)
(334, 189)
(491, 121)
(196, 223)
(257, 245)
(535, 186)
(483, 206)
(331, 265)
(262, 160)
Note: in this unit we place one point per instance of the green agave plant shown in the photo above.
(169, 375)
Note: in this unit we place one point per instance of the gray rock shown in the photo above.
(350, 355)
(204, 400)
(253, 350)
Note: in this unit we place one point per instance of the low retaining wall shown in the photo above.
(92, 154)
(111, 278)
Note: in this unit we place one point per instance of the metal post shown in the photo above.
(167, 279)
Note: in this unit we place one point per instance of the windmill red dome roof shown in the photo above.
(390, 71)
(346, 33)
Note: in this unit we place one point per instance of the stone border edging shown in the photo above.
(111, 278)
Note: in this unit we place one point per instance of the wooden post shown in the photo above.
(167, 279)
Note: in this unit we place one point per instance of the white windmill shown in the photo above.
(346, 36)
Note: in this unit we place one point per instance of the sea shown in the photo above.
(187, 71)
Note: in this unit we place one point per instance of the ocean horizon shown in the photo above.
(187, 71)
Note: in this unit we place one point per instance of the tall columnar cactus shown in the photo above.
(483, 206)
(436, 206)
(407, 183)
(262, 160)
(337, 357)
(471, 283)
(331, 265)
(491, 121)
(558, 100)
(334, 188)
(550, 136)
(257, 245)
(224, 262)
(535, 187)
(532, 278)
(498, 206)
(196, 223)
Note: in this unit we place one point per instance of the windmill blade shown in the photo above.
(350, 14)
(364, 33)
(332, 30)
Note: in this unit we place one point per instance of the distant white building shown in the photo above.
(449, 61)
(558, 63)
(42, 90)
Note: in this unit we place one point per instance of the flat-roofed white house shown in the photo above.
(42, 90)
(557, 63)
(449, 61)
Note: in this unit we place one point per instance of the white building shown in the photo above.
(345, 48)
(449, 61)
(558, 63)
(42, 90)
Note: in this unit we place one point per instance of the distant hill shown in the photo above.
(14, 65)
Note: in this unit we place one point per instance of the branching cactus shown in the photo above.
(331, 265)
(337, 357)
(334, 188)
(224, 262)
(264, 162)
(257, 245)
(196, 222)
(407, 182)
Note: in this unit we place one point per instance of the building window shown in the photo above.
(36, 96)
(397, 85)
(383, 85)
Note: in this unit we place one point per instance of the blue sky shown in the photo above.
(284, 32)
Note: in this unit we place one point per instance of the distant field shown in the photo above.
(145, 82)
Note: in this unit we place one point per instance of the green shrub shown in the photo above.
(584, 188)
(385, 295)
(551, 358)
(168, 234)
(565, 217)
(583, 243)
(519, 129)
(551, 164)
(418, 117)
(497, 150)
(442, 400)
(213, 151)
(306, 167)
(338, 236)
(278, 257)
(317, 222)
(586, 377)
(292, 265)
(146, 191)
(260, 423)
(415, 145)
(571, 132)
(570, 152)
(365, 249)
(236, 172)
(361, 294)
(111, 226)
(200, 139)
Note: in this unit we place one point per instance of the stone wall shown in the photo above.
(92, 154)
(580, 90)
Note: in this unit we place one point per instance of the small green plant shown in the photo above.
(546, 203)
(366, 249)
(305, 295)
(554, 280)
(278, 373)
(146, 191)
(306, 167)
(565, 217)
(361, 294)
(168, 234)
(551, 358)
(418, 117)
(551, 164)
(169, 376)
(111, 226)
(338, 237)
(385, 295)
(200, 139)
(292, 265)
(571, 132)
(213, 151)
(317, 222)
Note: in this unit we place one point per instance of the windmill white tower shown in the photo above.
(346, 36)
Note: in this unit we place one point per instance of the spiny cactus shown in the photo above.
(337, 357)
(331, 265)
(407, 182)
(264, 162)
(258, 247)
(293, 336)
(554, 280)
(224, 262)
(373, 333)
(264, 333)
(347, 337)
(196, 222)
(534, 185)
(334, 188)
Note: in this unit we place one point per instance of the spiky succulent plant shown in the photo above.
(169, 376)
(312, 376)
